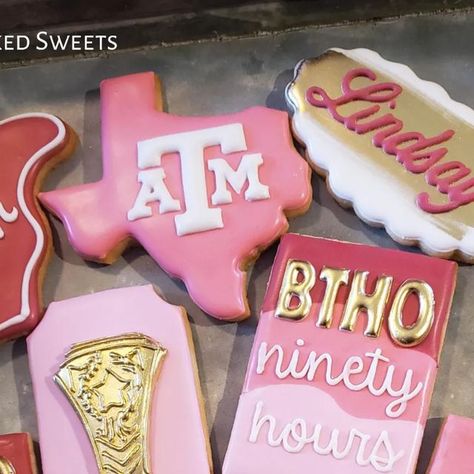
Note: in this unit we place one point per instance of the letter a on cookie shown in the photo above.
(203, 195)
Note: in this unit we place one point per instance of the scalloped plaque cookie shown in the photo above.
(344, 360)
(30, 144)
(203, 195)
(395, 147)
(116, 386)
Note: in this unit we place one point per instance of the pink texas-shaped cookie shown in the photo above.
(454, 447)
(177, 433)
(203, 195)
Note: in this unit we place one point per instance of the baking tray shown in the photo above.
(216, 77)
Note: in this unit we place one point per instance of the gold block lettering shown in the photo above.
(298, 280)
(374, 304)
(334, 278)
(414, 334)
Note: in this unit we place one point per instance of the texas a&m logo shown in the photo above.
(198, 216)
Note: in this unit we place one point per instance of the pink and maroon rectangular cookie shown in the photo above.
(454, 448)
(344, 360)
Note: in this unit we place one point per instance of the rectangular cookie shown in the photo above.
(116, 386)
(344, 360)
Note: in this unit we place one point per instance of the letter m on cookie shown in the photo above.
(203, 195)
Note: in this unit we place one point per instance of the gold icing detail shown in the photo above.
(298, 280)
(414, 334)
(417, 114)
(6, 466)
(373, 304)
(110, 383)
(334, 277)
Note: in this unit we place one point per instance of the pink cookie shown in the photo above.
(176, 433)
(453, 453)
(344, 360)
(203, 195)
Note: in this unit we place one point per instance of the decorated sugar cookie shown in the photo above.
(454, 448)
(395, 147)
(30, 144)
(116, 386)
(344, 360)
(16, 454)
(203, 195)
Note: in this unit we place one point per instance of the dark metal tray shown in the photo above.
(217, 77)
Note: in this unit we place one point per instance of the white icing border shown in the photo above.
(404, 222)
(25, 298)
(403, 74)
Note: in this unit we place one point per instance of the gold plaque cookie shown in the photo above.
(394, 146)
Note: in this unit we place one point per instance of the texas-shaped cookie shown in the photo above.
(30, 145)
(203, 195)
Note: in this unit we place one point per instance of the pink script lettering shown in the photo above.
(416, 152)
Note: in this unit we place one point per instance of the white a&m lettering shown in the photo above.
(198, 216)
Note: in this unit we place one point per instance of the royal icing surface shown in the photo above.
(393, 145)
(177, 424)
(29, 144)
(194, 191)
(16, 454)
(453, 451)
(343, 366)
